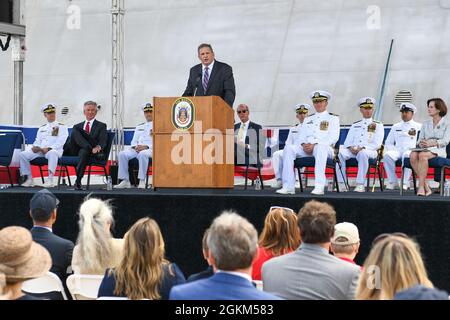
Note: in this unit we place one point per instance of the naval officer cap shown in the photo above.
(367, 103)
(48, 108)
(406, 106)
(304, 107)
(147, 107)
(320, 95)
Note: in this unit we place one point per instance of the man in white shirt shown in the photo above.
(363, 141)
(49, 143)
(401, 138)
(249, 141)
(301, 111)
(318, 136)
(141, 148)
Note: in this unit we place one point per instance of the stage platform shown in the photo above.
(184, 214)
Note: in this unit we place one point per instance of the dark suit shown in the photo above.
(81, 144)
(255, 140)
(221, 286)
(221, 82)
(60, 250)
(201, 275)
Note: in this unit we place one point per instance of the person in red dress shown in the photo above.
(280, 235)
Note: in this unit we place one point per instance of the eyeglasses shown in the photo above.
(283, 208)
(386, 235)
(242, 111)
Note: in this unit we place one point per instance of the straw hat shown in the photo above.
(20, 257)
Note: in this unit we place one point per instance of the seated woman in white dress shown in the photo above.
(433, 140)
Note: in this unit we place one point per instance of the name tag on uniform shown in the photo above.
(310, 122)
(140, 129)
(324, 125)
(357, 127)
(55, 131)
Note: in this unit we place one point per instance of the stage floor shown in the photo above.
(184, 214)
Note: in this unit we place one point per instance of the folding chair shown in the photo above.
(310, 162)
(7, 145)
(49, 282)
(72, 161)
(437, 163)
(374, 168)
(133, 163)
(84, 287)
(42, 162)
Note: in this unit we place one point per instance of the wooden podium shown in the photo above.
(193, 143)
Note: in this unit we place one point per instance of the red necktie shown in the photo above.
(88, 128)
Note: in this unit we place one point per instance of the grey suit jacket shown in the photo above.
(310, 273)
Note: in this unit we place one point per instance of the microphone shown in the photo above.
(197, 81)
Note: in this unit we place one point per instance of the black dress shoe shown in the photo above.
(100, 156)
(78, 186)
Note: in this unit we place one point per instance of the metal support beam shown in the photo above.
(18, 59)
(12, 29)
(117, 79)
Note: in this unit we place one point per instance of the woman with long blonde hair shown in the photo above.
(143, 273)
(96, 249)
(280, 235)
(394, 264)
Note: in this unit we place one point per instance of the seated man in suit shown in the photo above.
(233, 244)
(249, 141)
(88, 139)
(49, 143)
(210, 270)
(362, 142)
(211, 77)
(141, 148)
(43, 211)
(311, 272)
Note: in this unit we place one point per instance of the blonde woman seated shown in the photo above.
(399, 266)
(433, 140)
(143, 273)
(280, 235)
(96, 250)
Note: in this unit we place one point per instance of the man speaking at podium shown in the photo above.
(211, 77)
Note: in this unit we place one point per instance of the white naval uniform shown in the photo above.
(142, 136)
(321, 129)
(401, 138)
(51, 135)
(359, 136)
(277, 157)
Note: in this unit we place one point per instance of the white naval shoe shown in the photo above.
(391, 186)
(277, 184)
(285, 191)
(342, 188)
(28, 183)
(125, 184)
(360, 188)
(50, 184)
(141, 184)
(318, 190)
